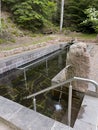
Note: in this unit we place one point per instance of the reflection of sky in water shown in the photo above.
(58, 107)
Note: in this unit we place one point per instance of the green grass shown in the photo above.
(82, 36)
(1, 41)
(87, 36)
(10, 46)
(43, 39)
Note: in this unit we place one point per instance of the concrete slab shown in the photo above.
(42, 123)
(25, 118)
(8, 108)
(28, 120)
(88, 114)
(80, 125)
(89, 110)
(60, 77)
(60, 126)
(5, 125)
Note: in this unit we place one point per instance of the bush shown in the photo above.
(91, 22)
(31, 14)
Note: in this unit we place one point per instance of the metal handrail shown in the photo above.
(63, 83)
(69, 96)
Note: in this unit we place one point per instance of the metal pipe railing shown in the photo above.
(88, 80)
(41, 59)
(70, 93)
(63, 83)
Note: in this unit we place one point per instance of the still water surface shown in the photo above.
(17, 84)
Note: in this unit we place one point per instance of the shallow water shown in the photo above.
(16, 85)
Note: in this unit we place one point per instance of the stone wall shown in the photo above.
(17, 60)
(79, 59)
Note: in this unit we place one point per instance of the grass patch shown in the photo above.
(82, 36)
(87, 36)
(39, 39)
(1, 41)
(43, 39)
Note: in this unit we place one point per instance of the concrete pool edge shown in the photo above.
(14, 61)
(25, 118)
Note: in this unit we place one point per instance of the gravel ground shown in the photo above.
(94, 63)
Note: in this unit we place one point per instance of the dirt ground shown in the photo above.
(48, 40)
(94, 63)
(27, 43)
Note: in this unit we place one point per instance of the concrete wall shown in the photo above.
(17, 60)
(60, 77)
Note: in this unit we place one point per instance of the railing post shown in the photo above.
(47, 67)
(69, 105)
(34, 103)
(60, 96)
(25, 78)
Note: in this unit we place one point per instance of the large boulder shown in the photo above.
(79, 59)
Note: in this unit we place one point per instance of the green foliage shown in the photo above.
(92, 19)
(74, 12)
(31, 14)
(25, 16)
(38, 14)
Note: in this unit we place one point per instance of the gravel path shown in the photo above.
(94, 63)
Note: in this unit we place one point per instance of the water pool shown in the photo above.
(31, 78)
